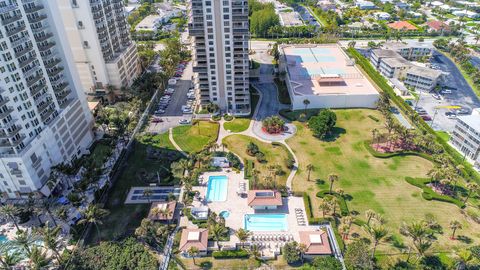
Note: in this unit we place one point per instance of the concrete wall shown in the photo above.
(336, 101)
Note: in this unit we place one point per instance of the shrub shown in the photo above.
(234, 160)
(273, 124)
(228, 117)
(428, 193)
(252, 149)
(216, 117)
(340, 199)
(249, 167)
(260, 157)
(323, 123)
(230, 254)
(373, 118)
(376, 154)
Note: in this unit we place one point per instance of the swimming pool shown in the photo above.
(217, 188)
(224, 214)
(265, 222)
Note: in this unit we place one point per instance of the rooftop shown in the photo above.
(424, 72)
(158, 210)
(402, 25)
(438, 25)
(317, 242)
(309, 65)
(382, 53)
(264, 197)
(396, 62)
(148, 23)
(194, 238)
(472, 121)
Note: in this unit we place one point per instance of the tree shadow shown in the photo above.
(334, 134)
(432, 262)
(465, 239)
(347, 197)
(206, 265)
(319, 182)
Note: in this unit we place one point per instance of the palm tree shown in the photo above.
(26, 241)
(8, 257)
(472, 187)
(147, 193)
(39, 259)
(344, 229)
(324, 206)
(193, 252)
(454, 226)
(302, 248)
(255, 251)
(94, 215)
(185, 164)
(420, 235)
(310, 168)
(332, 178)
(377, 233)
(333, 204)
(369, 214)
(374, 136)
(340, 192)
(10, 211)
(306, 102)
(243, 235)
(217, 232)
(50, 237)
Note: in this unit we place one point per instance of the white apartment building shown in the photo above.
(44, 118)
(466, 136)
(377, 55)
(100, 41)
(412, 51)
(220, 58)
(422, 78)
(393, 67)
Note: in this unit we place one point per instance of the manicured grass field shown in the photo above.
(250, 263)
(444, 135)
(158, 140)
(373, 183)
(237, 124)
(275, 155)
(193, 138)
(124, 219)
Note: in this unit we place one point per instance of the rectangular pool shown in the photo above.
(217, 188)
(265, 222)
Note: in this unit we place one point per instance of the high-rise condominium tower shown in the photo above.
(220, 33)
(44, 118)
(99, 38)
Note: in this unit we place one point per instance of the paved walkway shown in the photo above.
(170, 137)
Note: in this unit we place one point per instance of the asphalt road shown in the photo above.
(463, 94)
(307, 17)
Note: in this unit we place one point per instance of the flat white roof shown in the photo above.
(472, 121)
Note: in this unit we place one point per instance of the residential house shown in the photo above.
(197, 238)
(365, 5)
(162, 211)
(438, 26)
(316, 243)
(384, 16)
(326, 5)
(264, 199)
(402, 26)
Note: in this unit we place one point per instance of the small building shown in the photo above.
(365, 5)
(264, 199)
(466, 136)
(402, 5)
(466, 13)
(149, 23)
(402, 26)
(393, 67)
(384, 16)
(162, 211)
(326, 5)
(437, 26)
(199, 213)
(194, 238)
(436, 3)
(422, 78)
(316, 243)
(221, 162)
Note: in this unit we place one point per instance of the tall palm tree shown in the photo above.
(50, 237)
(10, 211)
(255, 251)
(243, 235)
(377, 234)
(9, 257)
(472, 187)
(26, 241)
(306, 102)
(344, 230)
(310, 168)
(94, 215)
(147, 193)
(193, 252)
(332, 178)
(217, 230)
(420, 235)
(48, 204)
(369, 214)
(185, 164)
(454, 226)
(39, 259)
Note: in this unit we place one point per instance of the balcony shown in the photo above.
(52, 63)
(55, 71)
(8, 8)
(47, 114)
(4, 101)
(33, 9)
(40, 38)
(20, 41)
(15, 30)
(49, 45)
(34, 80)
(37, 19)
(10, 133)
(60, 86)
(36, 89)
(6, 113)
(11, 19)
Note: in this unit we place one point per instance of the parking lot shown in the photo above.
(461, 95)
(173, 112)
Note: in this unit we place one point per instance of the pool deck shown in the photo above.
(238, 207)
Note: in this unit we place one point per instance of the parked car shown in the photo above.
(426, 117)
(158, 112)
(420, 110)
(450, 115)
(157, 120)
(184, 122)
(463, 111)
(437, 96)
(409, 102)
(446, 91)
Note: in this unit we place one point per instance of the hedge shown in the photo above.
(249, 166)
(407, 110)
(341, 201)
(230, 254)
(376, 154)
(309, 212)
(428, 193)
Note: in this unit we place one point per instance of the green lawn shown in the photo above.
(193, 138)
(373, 183)
(237, 124)
(234, 264)
(275, 155)
(444, 135)
(100, 152)
(123, 219)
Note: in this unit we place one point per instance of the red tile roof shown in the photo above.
(438, 25)
(402, 25)
(156, 208)
(264, 197)
(194, 238)
(317, 242)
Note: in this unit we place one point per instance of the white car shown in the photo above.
(159, 112)
(184, 122)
